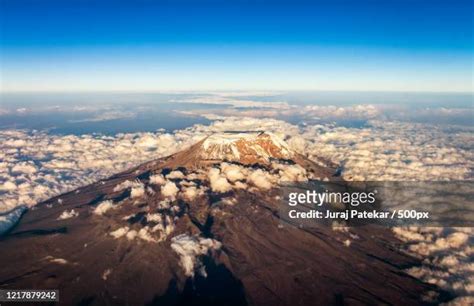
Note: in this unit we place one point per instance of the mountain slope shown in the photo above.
(202, 227)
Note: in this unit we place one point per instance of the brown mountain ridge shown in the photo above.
(201, 227)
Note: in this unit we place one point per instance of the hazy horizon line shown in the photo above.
(269, 91)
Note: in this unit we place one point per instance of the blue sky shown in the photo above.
(402, 45)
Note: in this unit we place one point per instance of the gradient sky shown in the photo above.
(399, 45)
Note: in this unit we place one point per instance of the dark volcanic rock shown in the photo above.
(260, 262)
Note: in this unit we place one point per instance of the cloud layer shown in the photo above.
(35, 166)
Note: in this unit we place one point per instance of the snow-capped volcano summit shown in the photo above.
(203, 227)
(244, 147)
(239, 147)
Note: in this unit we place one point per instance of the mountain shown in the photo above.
(201, 227)
(244, 147)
